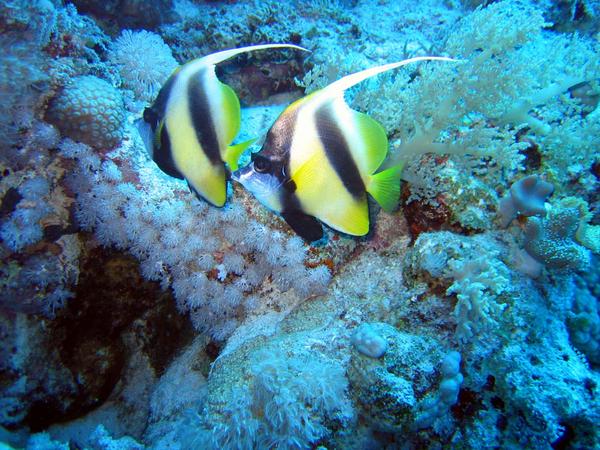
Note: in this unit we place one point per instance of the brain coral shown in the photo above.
(89, 110)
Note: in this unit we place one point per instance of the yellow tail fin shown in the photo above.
(385, 187)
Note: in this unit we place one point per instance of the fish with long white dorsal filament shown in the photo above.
(189, 129)
(320, 159)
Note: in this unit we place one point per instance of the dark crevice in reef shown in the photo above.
(565, 440)
(9, 202)
(256, 82)
(111, 298)
(128, 13)
(423, 217)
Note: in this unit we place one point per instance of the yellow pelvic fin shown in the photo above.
(233, 153)
(374, 138)
(385, 187)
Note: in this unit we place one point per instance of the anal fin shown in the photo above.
(305, 226)
(202, 198)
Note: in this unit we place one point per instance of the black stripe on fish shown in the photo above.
(162, 155)
(278, 142)
(276, 149)
(161, 145)
(201, 118)
(338, 152)
(307, 227)
(155, 113)
(304, 225)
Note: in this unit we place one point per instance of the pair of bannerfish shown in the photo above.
(318, 160)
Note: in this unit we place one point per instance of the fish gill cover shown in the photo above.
(135, 315)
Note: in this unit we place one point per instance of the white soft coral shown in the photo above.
(144, 62)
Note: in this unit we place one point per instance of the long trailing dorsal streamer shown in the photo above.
(216, 58)
(348, 81)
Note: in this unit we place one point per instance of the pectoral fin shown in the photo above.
(147, 135)
(375, 140)
(233, 153)
(307, 227)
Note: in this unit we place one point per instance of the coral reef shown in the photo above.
(134, 315)
(390, 391)
(553, 241)
(144, 62)
(526, 197)
(89, 110)
(439, 404)
(230, 257)
(368, 342)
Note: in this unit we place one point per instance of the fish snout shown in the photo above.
(241, 175)
(236, 175)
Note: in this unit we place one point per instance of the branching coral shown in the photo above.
(570, 149)
(477, 284)
(476, 110)
(480, 278)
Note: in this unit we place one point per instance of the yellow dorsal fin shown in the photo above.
(231, 115)
(385, 187)
(233, 153)
(374, 139)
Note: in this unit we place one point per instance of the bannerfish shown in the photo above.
(189, 129)
(319, 160)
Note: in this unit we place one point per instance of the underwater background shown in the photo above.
(135, 315)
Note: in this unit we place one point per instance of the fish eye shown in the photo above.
(261, 164)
